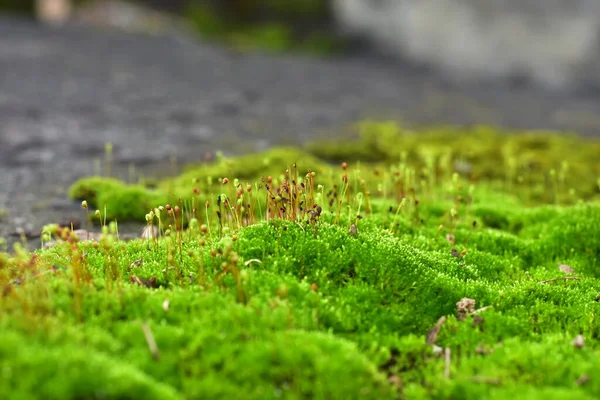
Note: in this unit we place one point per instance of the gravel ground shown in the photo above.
(65, 93)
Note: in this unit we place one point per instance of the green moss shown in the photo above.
(331, 293)
(115, 199)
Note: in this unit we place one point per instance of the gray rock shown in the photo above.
(552, 42)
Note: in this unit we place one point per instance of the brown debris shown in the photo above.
(455, 253)
(149, 283)
(478, 321)
(134, 264)
(353, 230)
(567, 269)
(432, 335)
(463, 307)
(582, 380)
(566, 278)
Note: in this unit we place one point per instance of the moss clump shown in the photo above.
(312, 280)
(199, 183)
(115, 199)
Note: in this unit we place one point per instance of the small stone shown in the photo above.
(579, 342)
(463, 307)
(567, 269)
(353, 230)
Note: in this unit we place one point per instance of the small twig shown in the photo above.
(150, 340)
(482, 309)
(447, 362)
(432, 335)
(254, 260)
(566, 278)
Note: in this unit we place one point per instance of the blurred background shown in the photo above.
(163, 83)
(550, 43)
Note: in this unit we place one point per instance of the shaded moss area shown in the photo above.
(278, 275)
(295, 25)
(17, 7)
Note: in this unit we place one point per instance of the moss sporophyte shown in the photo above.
(441, 264)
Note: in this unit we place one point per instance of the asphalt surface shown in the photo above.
(65, 93)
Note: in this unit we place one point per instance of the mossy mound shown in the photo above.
(305, 315)
(534, 160)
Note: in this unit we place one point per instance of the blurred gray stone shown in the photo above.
(551, 42)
